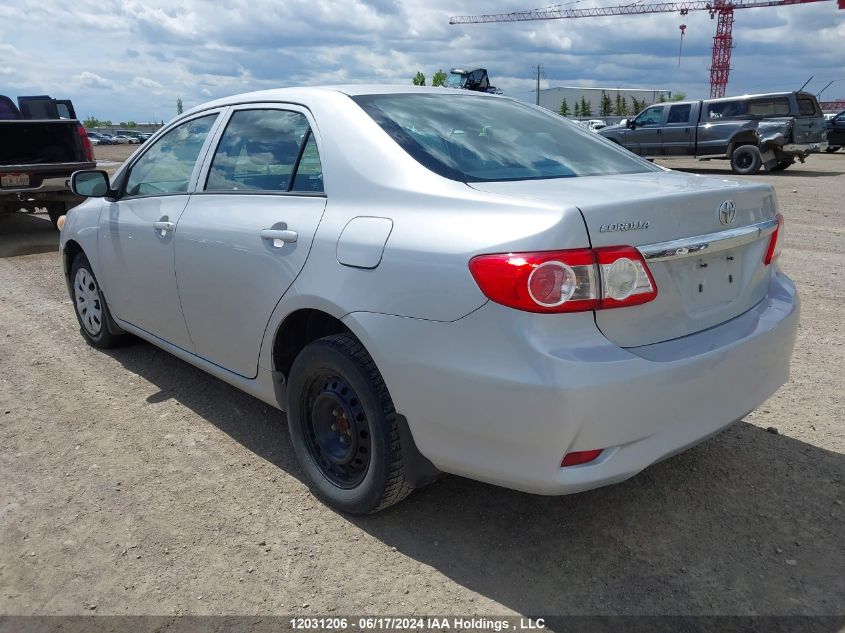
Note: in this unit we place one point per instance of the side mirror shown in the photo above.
(631, 124)
(93, 183)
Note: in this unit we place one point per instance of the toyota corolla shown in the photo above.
(432, 281)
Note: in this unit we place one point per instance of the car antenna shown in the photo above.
(805, 83)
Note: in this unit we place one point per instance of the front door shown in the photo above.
(137, 232)
(644, 139)
(247, 231)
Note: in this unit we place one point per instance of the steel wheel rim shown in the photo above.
(87, 301)
(336, 430)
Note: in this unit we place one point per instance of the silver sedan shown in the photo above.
(433, 281)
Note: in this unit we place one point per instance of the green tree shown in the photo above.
(564, 108)
(636, 106)
(679, 96)
(419, 79)
(577, 109)
(606, 104)
(91, 121)
(131, 125)
(586, 107)
(179, 108)
(439, 78)
(621, 106)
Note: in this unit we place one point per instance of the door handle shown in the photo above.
(164, 227)
(280, 237)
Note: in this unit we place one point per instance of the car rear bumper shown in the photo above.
(805, 148)
(501, 395)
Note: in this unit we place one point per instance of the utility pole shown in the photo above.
(538, 84)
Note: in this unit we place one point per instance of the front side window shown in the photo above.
(679, 113)
(259, 151)
(167, 166)
(473, 138)
(650, 116)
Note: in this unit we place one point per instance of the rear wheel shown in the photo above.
(783, 164)
(343, 427)
(746, 160)
(830, 149)
(90, 306)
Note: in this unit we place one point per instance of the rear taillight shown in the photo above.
(565, 281)
(87, 148)
(775, 242)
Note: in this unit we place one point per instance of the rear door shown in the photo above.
(246, 233)
(678, 135)
(644, 139)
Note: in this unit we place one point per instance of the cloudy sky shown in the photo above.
(131, 59)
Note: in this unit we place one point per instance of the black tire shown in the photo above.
(784, 164)
(746, 160)
(56, 210)
(87, 297)
(830, 149)
(343, 427)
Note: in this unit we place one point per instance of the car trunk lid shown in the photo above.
(663, 213)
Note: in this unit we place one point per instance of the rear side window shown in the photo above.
(260, 150)
(807, 106)
(167, 166)
(726, 109)
(679, 113)
(8, 110)
(473, 138)
(778, 106)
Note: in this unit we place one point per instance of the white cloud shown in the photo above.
(93, 80)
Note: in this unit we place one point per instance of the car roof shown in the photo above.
(307, 93)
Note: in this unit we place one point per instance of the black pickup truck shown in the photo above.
(41, 145)
(768, 131)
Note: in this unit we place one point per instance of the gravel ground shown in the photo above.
(132, 483)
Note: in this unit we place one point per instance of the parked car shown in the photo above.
(836, 132)
(41, 145)
(753, 132)
(127, 140)
(594, 124)
(439, 281)
(139, 137)
(101, 139)
(109, 138)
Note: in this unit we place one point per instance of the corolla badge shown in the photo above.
(635, 225)
(727, 212)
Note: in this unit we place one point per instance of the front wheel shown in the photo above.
(343, 427)
(90, 306)
(830, 149)
(746, 160)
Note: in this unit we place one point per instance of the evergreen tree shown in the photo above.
(179, 108)
(439, 78)
(564, 108)
(577, 110)
(418, 79)
(586, 107)
(606, 104)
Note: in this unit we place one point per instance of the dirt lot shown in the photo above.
(132, 483)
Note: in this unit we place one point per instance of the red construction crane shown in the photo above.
(723, 10)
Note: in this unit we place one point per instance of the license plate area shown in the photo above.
(715, 279)
(14, 180)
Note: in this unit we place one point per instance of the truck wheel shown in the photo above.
(343, 427)
(783, 164)
(830, 149)
(56, 210)
(746, 160)
(90, 306)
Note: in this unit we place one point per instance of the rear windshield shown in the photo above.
(807, 106)
(479, 139)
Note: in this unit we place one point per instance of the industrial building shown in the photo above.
(552, 98)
